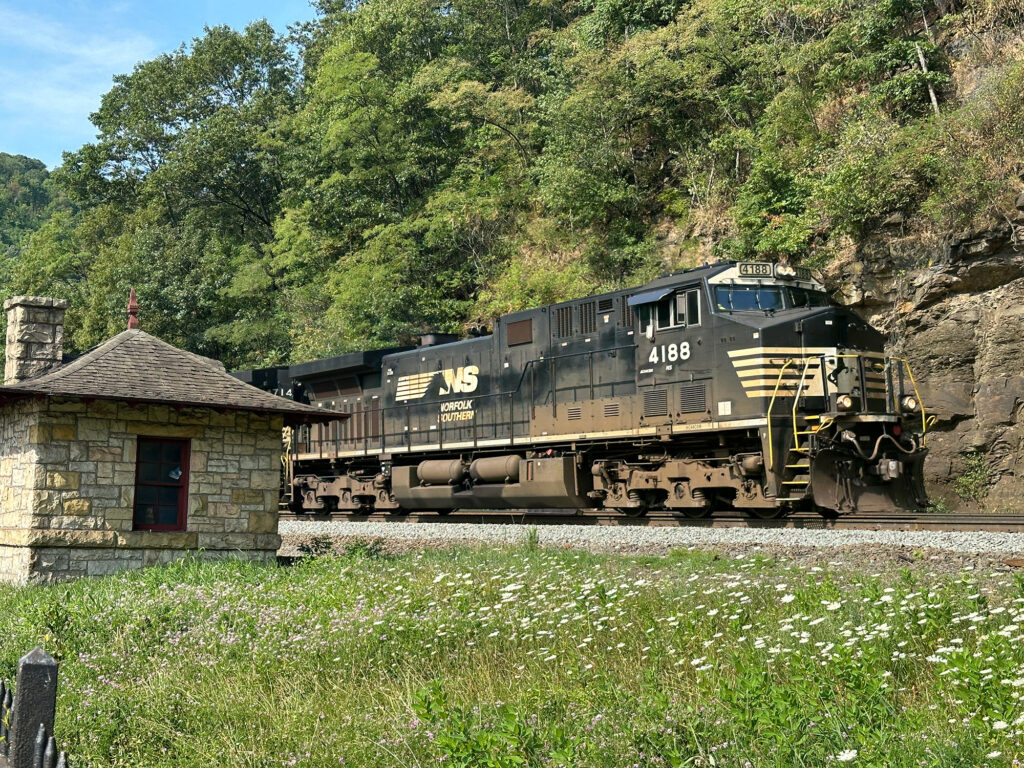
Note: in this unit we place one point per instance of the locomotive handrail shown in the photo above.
(800, 388)
(924, 420)
(771, 405)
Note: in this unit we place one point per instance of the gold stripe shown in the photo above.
(645, 431)
(789, 373)
(786, 383)
(795, 351)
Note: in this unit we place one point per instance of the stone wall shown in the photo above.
(35, 336)
(955, 310)
(68, 473)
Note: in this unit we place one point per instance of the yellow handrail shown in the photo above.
(771, 405)
(920, 402)
(796, 397)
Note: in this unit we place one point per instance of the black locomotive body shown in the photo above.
(738, 385)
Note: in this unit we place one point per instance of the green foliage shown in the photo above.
(510, 657)
(26, 199)
(403, 165)
(973, 482)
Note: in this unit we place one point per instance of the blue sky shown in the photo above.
(58, 58)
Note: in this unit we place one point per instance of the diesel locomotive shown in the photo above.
(739, 385)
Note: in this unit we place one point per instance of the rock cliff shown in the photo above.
(955, 310)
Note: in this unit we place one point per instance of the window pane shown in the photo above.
(168, 515)
(168, 496)
(149, 473)
(145, 494)
(172, 453)
(743, 298)
(145, 514)
(149, 451)
(664, 314)
(769, 298)
(692, 308)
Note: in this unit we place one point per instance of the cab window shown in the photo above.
(679, 310)
(688, 307)
(740, 298)
(801, 297)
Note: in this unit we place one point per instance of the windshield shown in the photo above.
(741, 298)
(801, 297)
(746, 298)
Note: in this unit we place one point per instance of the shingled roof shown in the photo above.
(137, 367)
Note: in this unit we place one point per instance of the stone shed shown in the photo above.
(133, 453)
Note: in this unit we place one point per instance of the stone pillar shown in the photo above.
(35, 336)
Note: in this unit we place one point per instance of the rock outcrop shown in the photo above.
(957, 315)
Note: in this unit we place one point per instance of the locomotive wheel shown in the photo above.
(630, 511)
(696, 513)
(768, 513)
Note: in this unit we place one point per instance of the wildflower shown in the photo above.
(993, 755)
(833, 606)
(1000, 725)
(788, 598)
(846, 756)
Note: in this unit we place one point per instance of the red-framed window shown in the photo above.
(161, 484)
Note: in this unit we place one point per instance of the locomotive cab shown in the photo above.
(845, 427)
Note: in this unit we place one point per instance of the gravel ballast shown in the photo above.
(928, 554)
(645, 539)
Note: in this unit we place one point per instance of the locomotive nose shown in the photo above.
(822, 327)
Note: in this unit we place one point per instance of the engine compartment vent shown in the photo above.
(693, 399)
(611, 410)
(588, 317)
(605, 305)
(626, 318)
(574, 412)
(656, 402)
(563, 322)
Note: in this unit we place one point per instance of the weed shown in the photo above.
(532, 540)
(973, 482)
(364, 548)
(317, 546)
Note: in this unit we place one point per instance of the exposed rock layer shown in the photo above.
(957, 315)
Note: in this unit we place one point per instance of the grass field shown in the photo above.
(528, 657)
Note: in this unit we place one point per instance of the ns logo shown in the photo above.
(456, 381)
(459, 380)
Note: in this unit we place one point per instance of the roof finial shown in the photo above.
(133, 310)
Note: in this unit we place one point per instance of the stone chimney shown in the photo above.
(35, 336)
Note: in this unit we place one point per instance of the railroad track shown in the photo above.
(861, 521)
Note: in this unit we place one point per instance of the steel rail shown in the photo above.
(908, 521)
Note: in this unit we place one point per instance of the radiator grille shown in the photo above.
(588, 317)
(626, 316)
(692, 399)
(656, 402)
(563, 322)
(605, 305)
(574, 412)
(611, 410)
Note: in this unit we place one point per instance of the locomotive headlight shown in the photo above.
(844, 402)
(784, 270)
(909, 403)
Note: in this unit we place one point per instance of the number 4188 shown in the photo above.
(670, 353)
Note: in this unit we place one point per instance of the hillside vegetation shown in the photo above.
(524, 658)
(400, 165)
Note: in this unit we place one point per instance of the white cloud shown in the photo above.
(52, 75)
